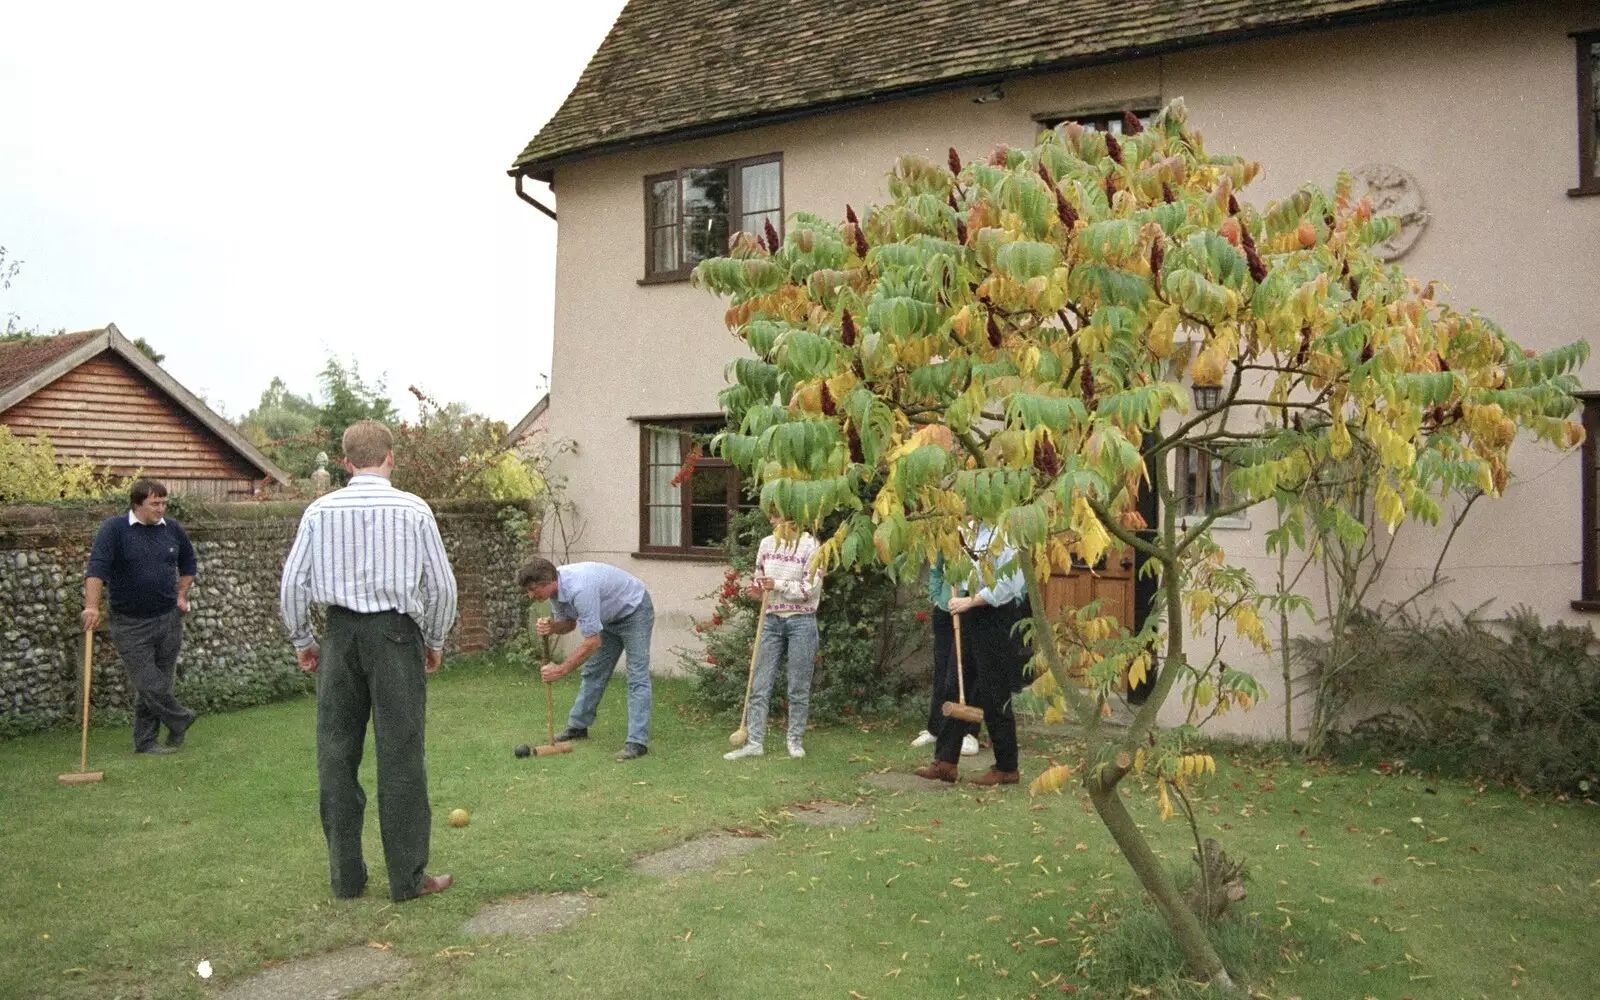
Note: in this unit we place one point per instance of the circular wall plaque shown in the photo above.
(1395, 192)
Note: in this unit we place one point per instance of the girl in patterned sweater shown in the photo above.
(792, 588)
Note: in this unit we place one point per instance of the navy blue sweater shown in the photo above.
(141, 563)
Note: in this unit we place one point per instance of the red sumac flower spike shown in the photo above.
(1166, 193)
(1258, 270)
(951, 201)
(850, 216)
(773, 242)
(861, 243)
(1233, 204)
(961, 232)
(955, 161)
(1088, 388)
(1044, 174)
(1158, 254)
(1064, 209)
(1131, 125)
(1045, 458)
(847, 330)
(829, 407)
(994, 332)
(1111, 188)
(856, 454)
(1113, 147)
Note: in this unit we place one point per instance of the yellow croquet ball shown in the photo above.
(459, 817)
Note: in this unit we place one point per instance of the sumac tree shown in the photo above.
(1051, 307)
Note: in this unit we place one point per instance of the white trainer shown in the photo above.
(924, 738)
(748, 750)
(795, 749)
(969, 746)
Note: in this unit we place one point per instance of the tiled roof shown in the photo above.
(673, 69)
(22, 359)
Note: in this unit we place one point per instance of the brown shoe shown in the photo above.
(939, 770)
(435, 883)
(994, 776)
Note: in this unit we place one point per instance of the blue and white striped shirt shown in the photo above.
(369, 547)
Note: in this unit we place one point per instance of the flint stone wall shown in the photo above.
(235, 652)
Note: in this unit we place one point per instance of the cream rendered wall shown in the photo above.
(1479, 107)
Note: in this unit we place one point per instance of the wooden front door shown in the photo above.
(1111, 585)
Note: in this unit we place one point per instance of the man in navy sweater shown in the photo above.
(146, 562)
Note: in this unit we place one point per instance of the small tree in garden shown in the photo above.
(1047, 308)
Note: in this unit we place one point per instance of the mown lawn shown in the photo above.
(1364, 884)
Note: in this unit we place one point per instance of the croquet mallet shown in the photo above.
(84, 776)
(742, 735)
(960, 709)
(550, 712)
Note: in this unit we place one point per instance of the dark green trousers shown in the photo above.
(372, 665)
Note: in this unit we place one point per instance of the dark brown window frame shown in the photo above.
(1589, 583)
(735, 209)
(1100, 117)
(734, 495)
(1588, 171)
(1181, 457)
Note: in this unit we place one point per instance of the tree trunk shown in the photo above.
(1202, 959)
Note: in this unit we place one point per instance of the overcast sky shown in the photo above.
(253, 188)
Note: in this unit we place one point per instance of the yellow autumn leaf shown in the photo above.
(1163, 330)
(1050, 780)
(1093, 539)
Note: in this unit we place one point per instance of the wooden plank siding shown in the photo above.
(108, 413)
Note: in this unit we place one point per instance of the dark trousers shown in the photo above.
(990, 668)
(944, 667)
(149, 648)
(372, 665)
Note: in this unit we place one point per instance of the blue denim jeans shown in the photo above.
(630, 634)
(794, 640)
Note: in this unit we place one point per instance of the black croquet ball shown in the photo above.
(522, 750)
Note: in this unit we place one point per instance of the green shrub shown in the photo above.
(867, 623)
(1508, 699)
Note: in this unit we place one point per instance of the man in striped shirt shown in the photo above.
(373, 556)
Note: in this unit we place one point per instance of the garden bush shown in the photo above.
(1509, 699)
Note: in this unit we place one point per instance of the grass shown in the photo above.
(1363, 883)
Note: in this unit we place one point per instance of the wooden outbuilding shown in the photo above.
(102, 400)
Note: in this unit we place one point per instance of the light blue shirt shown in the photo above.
(1012, 586)
(594, 595)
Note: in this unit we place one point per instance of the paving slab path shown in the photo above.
(324, 977)
(697, 854)
(828, 814)
(530, 916)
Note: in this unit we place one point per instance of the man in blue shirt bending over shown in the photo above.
(612, 611)
(145, 560)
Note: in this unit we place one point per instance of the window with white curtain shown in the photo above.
(688, 498)
(691, 213)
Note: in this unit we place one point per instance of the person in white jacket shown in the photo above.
(793, 589)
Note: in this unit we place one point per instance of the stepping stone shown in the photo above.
(826, 814)
(699, 853)
(325, 977)
(905, 781)
(530, 917)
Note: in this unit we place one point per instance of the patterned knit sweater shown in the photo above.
(796, 589)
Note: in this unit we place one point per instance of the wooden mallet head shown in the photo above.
(966, 713)
(80, 777)
(550, 749)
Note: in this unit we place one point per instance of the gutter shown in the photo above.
(530, 199)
